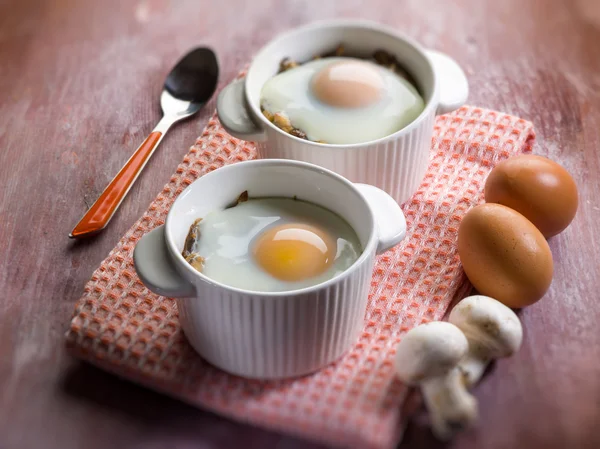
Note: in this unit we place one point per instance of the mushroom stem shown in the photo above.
(451, 407)
(472, 367)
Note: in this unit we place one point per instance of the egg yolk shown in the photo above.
(294, 252)
(348, 84)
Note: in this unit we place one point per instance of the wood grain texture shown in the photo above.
(79, 87)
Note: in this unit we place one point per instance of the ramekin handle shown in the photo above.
(452, 82)
(390, 221)
(233, 113)
(155, 268)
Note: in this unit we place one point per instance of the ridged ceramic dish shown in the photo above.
(270, 335)
(396, 163)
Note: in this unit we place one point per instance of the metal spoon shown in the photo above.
(188, 87)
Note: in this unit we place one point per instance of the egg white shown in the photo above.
(290, 93)
(227, 238)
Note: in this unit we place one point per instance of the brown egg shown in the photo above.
(504, 255)
(536, 187)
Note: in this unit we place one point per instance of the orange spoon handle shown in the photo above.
(98, 216)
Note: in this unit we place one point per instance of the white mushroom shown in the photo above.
(428, 355)
(492, 329)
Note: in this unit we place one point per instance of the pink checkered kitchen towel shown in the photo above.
(123, 328)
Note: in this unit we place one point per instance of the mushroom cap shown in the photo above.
(429, 350)
(493, 329)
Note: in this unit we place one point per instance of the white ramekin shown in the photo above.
(270, 335)
(396, 163)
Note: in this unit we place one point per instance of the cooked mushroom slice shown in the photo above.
(298, 133)
(492, 329)
(267, 115)
(428, 355)
(192, 237)
(282, 122)
(196, 261)
(287, 64)
(242, 198)
(383, 57)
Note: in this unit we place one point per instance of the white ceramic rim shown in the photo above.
(335, 23)
(369, 247)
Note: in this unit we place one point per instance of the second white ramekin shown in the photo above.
(396, 163)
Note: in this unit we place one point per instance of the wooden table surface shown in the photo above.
(79, 85)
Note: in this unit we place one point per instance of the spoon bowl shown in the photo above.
(189, 85)
(175, 107)
(194, 77)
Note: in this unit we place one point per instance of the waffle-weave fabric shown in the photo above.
(356, 402)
